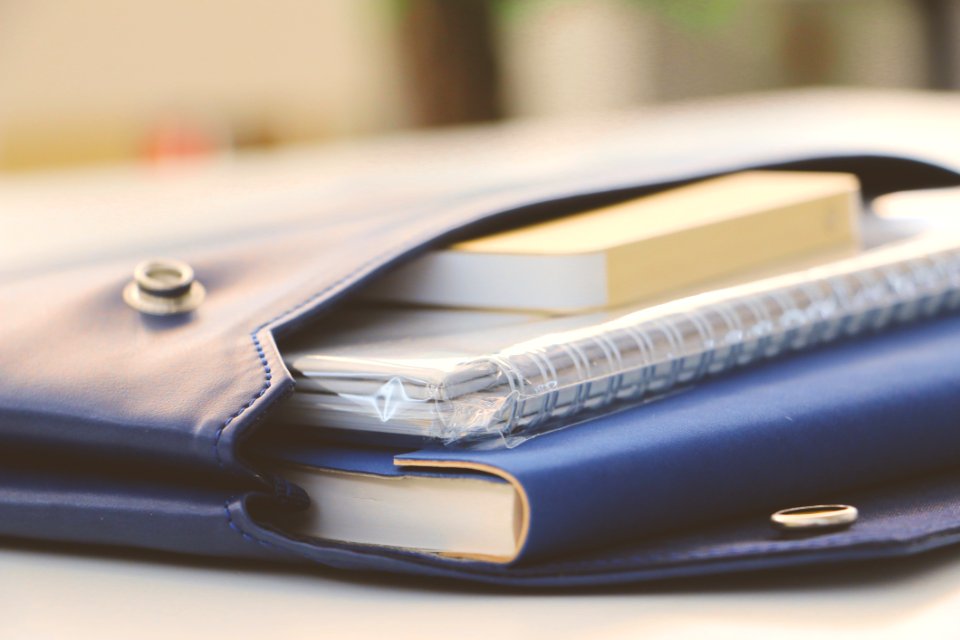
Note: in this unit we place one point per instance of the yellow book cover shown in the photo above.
(645, 248)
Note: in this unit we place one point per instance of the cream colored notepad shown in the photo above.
(642, 249)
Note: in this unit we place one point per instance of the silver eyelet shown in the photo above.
(164, 287)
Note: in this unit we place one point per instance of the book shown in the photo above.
(412, 373)
(801, 430)
(358, 495)
(641, 249)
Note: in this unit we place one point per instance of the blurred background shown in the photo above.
(106, 81)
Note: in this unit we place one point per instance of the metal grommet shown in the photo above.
(821, 516)
(163, 287)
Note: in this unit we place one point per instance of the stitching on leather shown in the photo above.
(243, 534)
(409, 244)
(268, 381)
(745, 551)
(905, 535)
(599, 566)
(258, 346)
(268, 375)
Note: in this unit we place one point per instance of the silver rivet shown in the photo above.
(820, 516)
(163, 287)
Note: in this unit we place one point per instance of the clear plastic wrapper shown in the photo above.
(510, 377)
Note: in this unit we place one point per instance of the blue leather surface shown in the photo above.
(84, 376)
(895, 521)
(83, 506)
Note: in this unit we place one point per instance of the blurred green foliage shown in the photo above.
(694, 15)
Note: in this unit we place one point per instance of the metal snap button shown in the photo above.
(163, 287)
(821, 516)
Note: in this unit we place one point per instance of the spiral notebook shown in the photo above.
(509, 376)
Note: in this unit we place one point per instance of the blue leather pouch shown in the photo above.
(122, 429)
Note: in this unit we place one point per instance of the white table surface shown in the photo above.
(51, 592)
